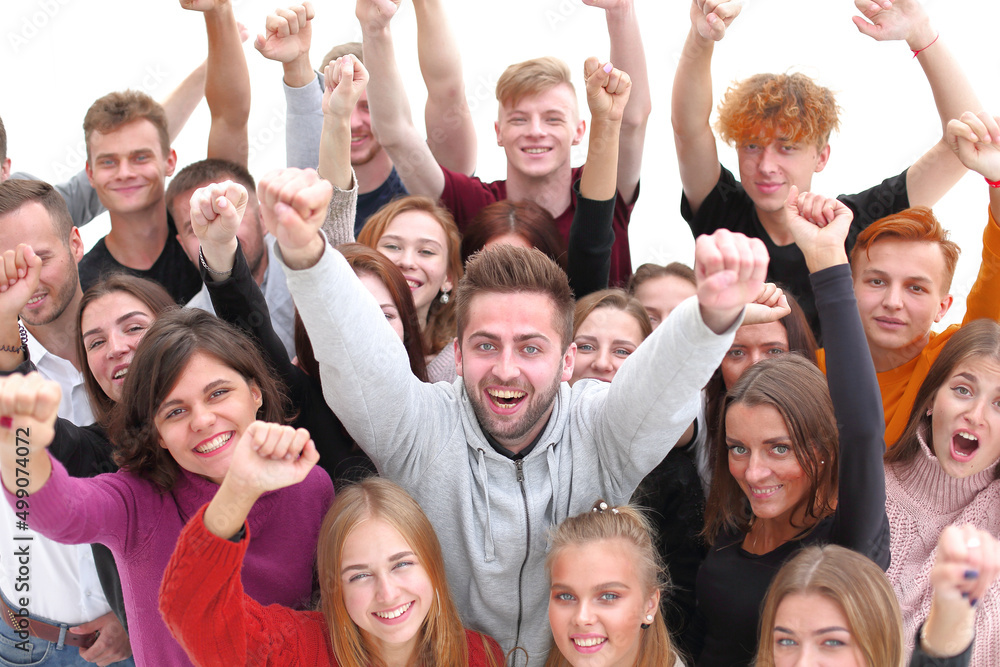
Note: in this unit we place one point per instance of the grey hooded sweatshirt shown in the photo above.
(492, 514)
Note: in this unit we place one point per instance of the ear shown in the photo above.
(76, 244)
(4, 170)
(496, 127)
(824, 157)
(569, 362)
(90, 173)
(581, 129)
(255, 392)
(447, 285)
(653, 603)
(458, 357)
(943, 307)
(171, 162)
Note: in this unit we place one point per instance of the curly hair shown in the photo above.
(790, 107)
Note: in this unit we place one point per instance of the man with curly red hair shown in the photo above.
(780, 125)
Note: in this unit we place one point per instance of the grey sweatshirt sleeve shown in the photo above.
(81, 199)
(654, 396)
(339, 224)
(303, 124)
(366, 374)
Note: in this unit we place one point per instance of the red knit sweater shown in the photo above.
(203, 604)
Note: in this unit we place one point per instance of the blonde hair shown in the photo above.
(628, 524)
(531, 78)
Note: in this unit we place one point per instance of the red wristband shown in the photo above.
(992, 184)
(917, 52)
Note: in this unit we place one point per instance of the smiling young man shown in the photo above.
(509, 450)
(780, 125)
(537, 125)
(903, 266)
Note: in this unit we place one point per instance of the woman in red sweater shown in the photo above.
(384, 597)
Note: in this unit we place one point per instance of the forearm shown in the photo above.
(303, 123)
(339, 224)
(949, 628)
(952, 90)
(335, 151)
(182, 100)
(229, 508)
(601, 173)
(451, 134)
(932, 175)
(628, 55)
(227, 87)
(298, 72)
(218, 256)
(24, 474)
(690, 111)
(12, 355)
(591, 239)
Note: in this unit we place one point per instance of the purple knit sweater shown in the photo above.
(921, 500)
(140, 526)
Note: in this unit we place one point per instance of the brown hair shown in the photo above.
(157, 366)
(977, 339)
(790, 107)
(917, 224)
(440, 329)
(628, 524)
(16, 192)
(855, 584)
(612, 298)
(442, 640)
(532, 77)
(521, 218)
(506, 269)
(150, 293)
(649, 271)
(203, 172)
(114, 110)
(365, 260)
(797, 389)
(355, 49)
(3, 141)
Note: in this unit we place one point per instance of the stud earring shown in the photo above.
(649, 620)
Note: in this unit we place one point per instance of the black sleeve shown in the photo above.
(591, 237)
(726, 206)
(239, 301)
(921, 659)
(860, 522)
(888, 197)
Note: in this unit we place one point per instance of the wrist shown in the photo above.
(823, 258)
(298, 72)
(304, 257)
(218, 259)
(922, 39)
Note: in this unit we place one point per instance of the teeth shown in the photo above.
(216, 442)
(35, 299)
(412, 284)
(120, 374)
(968, 436)
(506, 393)
(396, 613)
(592, 641)
(537, 150)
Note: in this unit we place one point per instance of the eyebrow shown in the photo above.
(364, 566)
(821, 631)
(598, 587)
(616, 341)
(972, 378)
(137, 151)
(208, 388)
(520, 338)
(394, 237)
(121, 319)
(880, 273)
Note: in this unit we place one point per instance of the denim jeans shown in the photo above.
(41, 652)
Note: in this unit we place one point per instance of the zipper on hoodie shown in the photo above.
(519, 467)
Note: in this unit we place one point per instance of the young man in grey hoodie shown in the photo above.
(509, 450)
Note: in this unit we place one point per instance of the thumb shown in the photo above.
(347, 69)
(90, 626)
(864, 27)
(792, 201)
(259, 42)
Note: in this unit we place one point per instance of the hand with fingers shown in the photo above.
(729, 272)
(608, 89)
(216, 213)
(293, 205)
(287, 33)
(203, 5)
(711, 18)
(28, 407)
(966, 564)
(375, 15)
(112, 643)
(887, 20)
(346, 79)
(270, 456)
(975, 139)
(819, 226)
(769, 306)
(20, 272)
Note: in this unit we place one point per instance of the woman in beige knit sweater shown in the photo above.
(944, 470)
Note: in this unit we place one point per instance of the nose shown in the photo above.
(976, 411)
(385, 589)
(407, 259)
(536, 127)
(202, 417)
(757, 470)
(604, 361)
(768, 164)
(584, 613)
(892, 298)
(117, 345)
(505, 368)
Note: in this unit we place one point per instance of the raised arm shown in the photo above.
(181, 102)
(590, 234)
(906, 20)
(820, 226)
(28, 406)
(451, 134)
(627, 54)
(227, 81)
(691, 100)
(345, 80)
(20, 272)
(390, 108)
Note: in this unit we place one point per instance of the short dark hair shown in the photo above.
(16, 192)
(507, 269)
(522, 218)
(648, 271)
(163, 353)
(110, 112)
(202, 172)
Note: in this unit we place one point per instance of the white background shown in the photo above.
(59, 55)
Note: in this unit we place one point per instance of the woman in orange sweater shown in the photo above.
(384, 597)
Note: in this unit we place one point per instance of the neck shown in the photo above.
(59, 335)
(137, 239)
(773, 223)
(551, 192)
(373, 173)
(888, 359)
(766, 535)
(399, 655)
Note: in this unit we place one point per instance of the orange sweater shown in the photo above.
(899, 385)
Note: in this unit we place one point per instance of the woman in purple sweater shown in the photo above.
(193, 387)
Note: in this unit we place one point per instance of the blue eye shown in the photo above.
(584, 347)
(781, 449)
(609, 597)
(738, 450)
